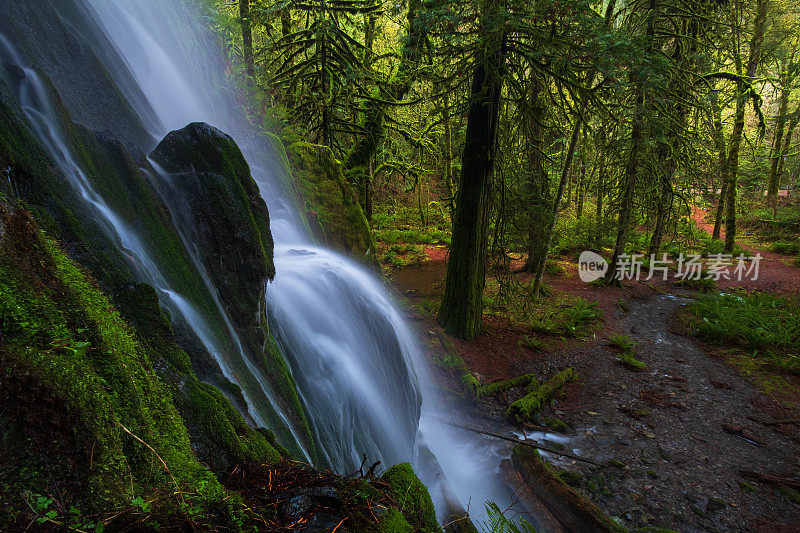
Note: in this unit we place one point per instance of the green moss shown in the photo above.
(556, 424)
(532, 402)
(332, 208)
(528, 381)
(573, 479)
(287, 388)
(394, 522)
(412, 498)
(63, 338)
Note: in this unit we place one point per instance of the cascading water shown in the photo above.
(357, 366)
(35, 103)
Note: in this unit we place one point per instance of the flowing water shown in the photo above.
(359, 371)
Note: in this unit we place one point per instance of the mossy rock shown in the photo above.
(330, 205)
(104, 392)
(413, 498)
(214, 196)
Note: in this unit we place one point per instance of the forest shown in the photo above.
(527, 131)
(455, 266)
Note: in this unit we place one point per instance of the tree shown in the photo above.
(744, 91)
(461, 311)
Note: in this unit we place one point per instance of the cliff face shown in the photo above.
(330, 204)
(104, 421)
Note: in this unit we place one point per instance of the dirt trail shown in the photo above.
(776, 272)
(681, 468)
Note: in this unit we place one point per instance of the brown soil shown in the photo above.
(678, 466)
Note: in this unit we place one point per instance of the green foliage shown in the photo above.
(569, 318)
(627, 352)
(702, 284)
(623, 343)
(765, 324)
(786, 248)
(499, 523)
(394, 522)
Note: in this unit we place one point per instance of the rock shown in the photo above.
(714, 505)
(330, 204)
(209, 185)
(217, 205)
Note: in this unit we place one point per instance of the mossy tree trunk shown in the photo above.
(392, 92)
(247, 40)
(668, 150)
(548, 236)
(461, 312)
(538, 184)
(722, 151)
(777, 144)
(448, 152)
(743, 90)
(573, 143)
(636, 149)
(787, 141)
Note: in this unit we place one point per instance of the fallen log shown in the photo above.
(529, 381)
(771, 479)
(573, 512)
(515, 440)
(523, 408)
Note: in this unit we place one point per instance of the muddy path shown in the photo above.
(670, 462)
(679, 468)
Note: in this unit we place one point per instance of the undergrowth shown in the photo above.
(558, 315)
(766, 325)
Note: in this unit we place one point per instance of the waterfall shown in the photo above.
(41, 114)
(359, 371)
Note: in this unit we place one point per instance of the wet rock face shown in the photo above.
(208, 183)
(330, 204)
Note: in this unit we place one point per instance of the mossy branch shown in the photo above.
(523, 408)
(528, 381)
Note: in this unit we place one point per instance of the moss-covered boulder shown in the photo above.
(230, 220)
(331, 206)
(85, 413)
(413, 498)
(218, 207)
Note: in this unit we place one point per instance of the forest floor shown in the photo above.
(679, 434)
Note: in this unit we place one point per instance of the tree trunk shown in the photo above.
(776, 154)
(667, 150)
(581, 188)
(394, 91)
(629, 185)
(461, 312)
(738, 126)
(548, 238)
(247, 40)
(663, 211)
(368, 209)
(722, 161)
(787, 141)
(448, 153)
(632, 167)
(573, 142)
(537, 187)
